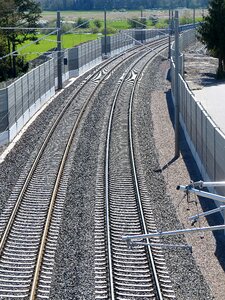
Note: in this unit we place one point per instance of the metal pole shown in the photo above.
(177, 108)
(212, 196)
(175, 232)
(194, 17)
(142, 27)
(172, 23)
(223, 211)
(59, 54)
(162, 245)
(105, 32)
(201, 184)
(201, 193)
(207, 213)
(169, 50)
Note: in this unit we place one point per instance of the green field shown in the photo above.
(111, 15)
(117, 15)
(116, 20)
(117, 24)
(68, 41)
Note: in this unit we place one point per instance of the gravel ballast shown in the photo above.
(26, 148)
(75, 257)
(195, 276)
(74, 269)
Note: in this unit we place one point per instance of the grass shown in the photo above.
(95, 14)
(68, 41)
(115, 15)
(117, 24)
(115, 21)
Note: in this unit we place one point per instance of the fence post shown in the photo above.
(105, 34)
(169, 50)
(59, 54)
(194, 17)
(214, 154)
(177, 137)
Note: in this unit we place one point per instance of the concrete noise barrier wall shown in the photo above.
(20, 100)
(24, 97)
(205, 139)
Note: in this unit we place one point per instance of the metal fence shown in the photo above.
(205, 139)
(21, 99)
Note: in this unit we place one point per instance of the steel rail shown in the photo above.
(112, 293)
(160, 296)
(9, 224)
(36, 161)
(53, 199)
(54, 194)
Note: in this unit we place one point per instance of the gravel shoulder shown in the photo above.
(207, 248)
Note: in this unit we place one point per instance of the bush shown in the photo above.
(67, 27)
(137, 22)
(161, 24)
(22, 65)
(51, 24)
(154, 20)
(83, 23)
(97, 23)
(95, 30)
(185, 20)
(4, 69)
(109, 30)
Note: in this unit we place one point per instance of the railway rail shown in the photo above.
(120, 272)
(30, 224)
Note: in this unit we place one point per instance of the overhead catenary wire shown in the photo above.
(55, 30)
(41, 38)
(78, 26)
(21, 109)
(24, 47)
(144, 25)
(140, 43)
(27, 28)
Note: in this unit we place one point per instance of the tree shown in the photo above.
(86, 5)
(18, 14)
(137, 23)
(4, 65)
(118, 4)
(212, 33)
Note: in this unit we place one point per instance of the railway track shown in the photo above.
(29, 226)
(121, 273)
